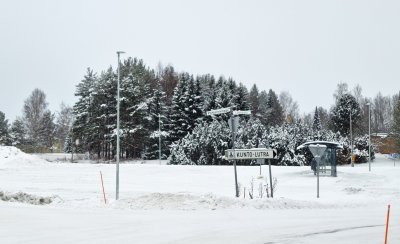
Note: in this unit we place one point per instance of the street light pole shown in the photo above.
(118, 88)
(351, 142)
(159, 137)
(369, 134)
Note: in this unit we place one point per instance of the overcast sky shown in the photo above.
(303, 47)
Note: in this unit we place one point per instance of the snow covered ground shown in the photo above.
(192, 204)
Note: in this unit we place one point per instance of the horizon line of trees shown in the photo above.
(180, 102)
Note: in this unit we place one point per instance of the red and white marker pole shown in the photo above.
(102, 185)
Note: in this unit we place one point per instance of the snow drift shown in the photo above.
(10, 156)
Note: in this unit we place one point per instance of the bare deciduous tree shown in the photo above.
(35, 113)
(342, 88)
(290, 107)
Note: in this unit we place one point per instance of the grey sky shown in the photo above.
(304, 47)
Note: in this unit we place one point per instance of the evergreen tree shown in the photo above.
(210, 93)
(194, 103)
(317, 121)
(168, 81)
(137, 91)
(18, 134)
(67, 144)
(102, 127)
(157, 112)
(340, 116)
(254, 101)
(263, 108)
(178, 117)
(4, 130)
(323, 117)
(241, 98)
(47, 131)
(225, 99)
(63, 124)
(84, 126)
(274, 110)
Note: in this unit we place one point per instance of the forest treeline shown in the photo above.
(173, 105)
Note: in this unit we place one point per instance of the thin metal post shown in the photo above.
(159, 137)
(118, 88)
(234, 161)
(270, 178)
(369, 135)
(72, 146)
(351, 142)
(317, 159)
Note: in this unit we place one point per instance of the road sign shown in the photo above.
(254, 153)
(242, 112)
(219, 111)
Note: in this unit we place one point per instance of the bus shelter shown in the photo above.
(327, 159)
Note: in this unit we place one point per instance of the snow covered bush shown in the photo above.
(206, 145)
(361, 147)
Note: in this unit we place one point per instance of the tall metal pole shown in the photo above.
(118, 88)
(234, 161)
(72, 146)
(270, 178)
(317, 159)
(351, 142)
(369, 135)
(159, 137)
(72, 139)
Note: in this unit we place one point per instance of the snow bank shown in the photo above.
(23, 197)
(186, 201)
(12, 156)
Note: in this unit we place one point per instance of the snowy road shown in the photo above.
(193, 204)
(40, 224)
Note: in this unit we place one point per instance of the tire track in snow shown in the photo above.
(289, 239)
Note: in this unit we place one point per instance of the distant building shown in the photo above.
(384, 143)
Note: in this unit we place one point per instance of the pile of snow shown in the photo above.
(23, 197)
(13, 156)
(186, 201)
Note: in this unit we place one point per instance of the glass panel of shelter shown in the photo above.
(327, 163)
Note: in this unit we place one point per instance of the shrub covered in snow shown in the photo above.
(207, 143)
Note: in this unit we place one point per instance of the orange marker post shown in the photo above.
(387, 224)
(102, 185)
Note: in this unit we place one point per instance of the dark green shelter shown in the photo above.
(328, 161)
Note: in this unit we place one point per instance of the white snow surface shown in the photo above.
(13, 157)
(192, 204)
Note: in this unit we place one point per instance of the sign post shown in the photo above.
(233, 124)
(233, 121)
(254, 153)
(317, 151)
(270, 178)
